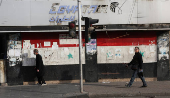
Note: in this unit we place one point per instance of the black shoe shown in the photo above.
(144, 86)
(39, 84)
(127, 85)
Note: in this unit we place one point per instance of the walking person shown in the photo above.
(40, 71)
(136, 63)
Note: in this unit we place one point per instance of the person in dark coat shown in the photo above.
(40, 70)
(136, 63)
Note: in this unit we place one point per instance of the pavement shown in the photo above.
(155, 89)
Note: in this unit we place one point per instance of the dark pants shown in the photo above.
(135, 72)
(40, 78)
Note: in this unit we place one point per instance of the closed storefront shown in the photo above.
(122, 25)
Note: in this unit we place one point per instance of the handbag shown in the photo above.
(140, 74)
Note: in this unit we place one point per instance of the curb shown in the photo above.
(92, 95)
(77, 95)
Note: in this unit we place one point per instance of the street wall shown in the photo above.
(113, 50)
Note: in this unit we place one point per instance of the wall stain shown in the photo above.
(0, 2)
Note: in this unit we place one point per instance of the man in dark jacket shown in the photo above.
(137, 68)
(39, 68)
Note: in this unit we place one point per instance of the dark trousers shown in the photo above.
(40, 78)
(134, 76)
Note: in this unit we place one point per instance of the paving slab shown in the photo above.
(91, 90)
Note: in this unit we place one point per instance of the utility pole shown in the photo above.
(80, 45)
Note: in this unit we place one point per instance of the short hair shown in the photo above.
(36, 50)
(137, 47)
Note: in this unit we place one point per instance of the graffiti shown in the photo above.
(124, 54)
(109, 55)
(70, 56)
(113, 6)
(152, 42)
(118, 53)
(131, 50)
(142, 53)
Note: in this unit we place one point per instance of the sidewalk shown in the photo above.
(118, 89)
(92, 90)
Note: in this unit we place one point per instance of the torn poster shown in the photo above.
(11, 52)
(163, 56)
(12, 59)
(54, 47)
(37, 45)
(32, 46)
(26, 44)
(131, 50)
(54, 43)
(47, 43)
(17, 52)
(91, 47)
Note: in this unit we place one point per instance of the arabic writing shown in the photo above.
(59, 20)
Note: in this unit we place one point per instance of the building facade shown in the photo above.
(26, 25)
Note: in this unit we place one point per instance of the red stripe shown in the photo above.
(126, 39)
(116, 38)
(42, 37)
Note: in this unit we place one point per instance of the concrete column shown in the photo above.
(169, 54)
(163, 56)
(2, 72)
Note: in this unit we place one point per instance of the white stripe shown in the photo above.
(61, 56)
(106, 54)
(124, 54)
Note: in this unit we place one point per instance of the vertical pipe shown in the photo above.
(80, 46)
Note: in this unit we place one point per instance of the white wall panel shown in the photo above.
(36, 12)
(124, 54)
